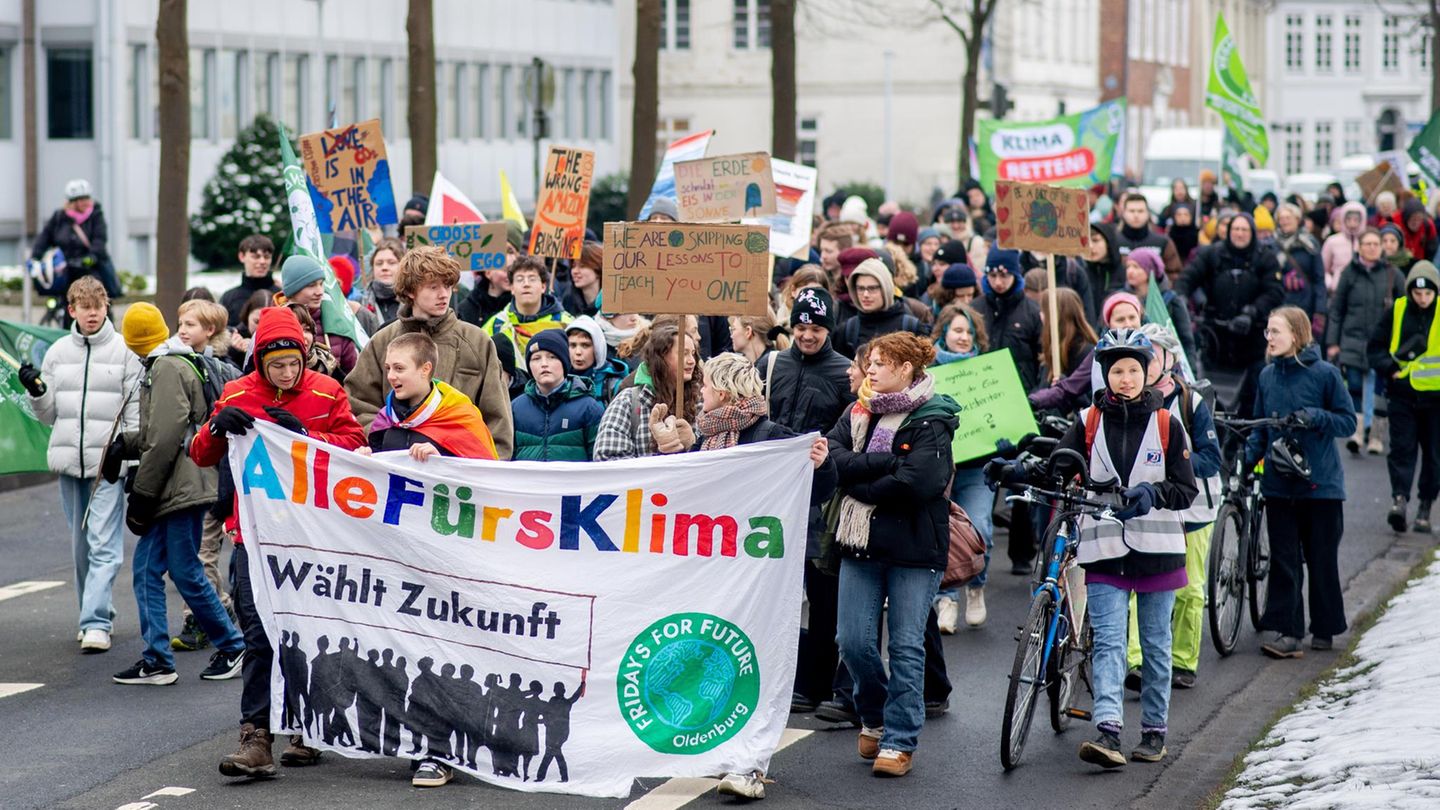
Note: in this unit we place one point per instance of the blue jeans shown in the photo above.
(98, 550)
(1109, 609)
(896, 702)
(172, 545)
(970, 493)
(1364, 386)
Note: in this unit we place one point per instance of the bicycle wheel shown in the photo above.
(1225, 583)
(1065, 672)
(1026, 677)
(1257, 575)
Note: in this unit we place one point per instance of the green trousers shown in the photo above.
(1188, 617)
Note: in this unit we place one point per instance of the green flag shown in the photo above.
(1228, 93)
(1425, 149)
(305, 233)
(1075, 150)
(1157, 312)
(23, 438)
(1231, 154)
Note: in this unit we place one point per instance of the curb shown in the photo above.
(1205, 761)
(10, 483)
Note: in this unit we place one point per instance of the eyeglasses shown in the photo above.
(867, 288)
(1269, 333)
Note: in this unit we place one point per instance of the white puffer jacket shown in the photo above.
(86, 380)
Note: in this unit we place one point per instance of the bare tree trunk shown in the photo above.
(782, 78)
(647, 103)
(172, 227)
(967, 102)
(420, 30)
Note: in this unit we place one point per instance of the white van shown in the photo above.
(1178, 153)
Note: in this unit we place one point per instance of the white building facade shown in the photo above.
(1046, 54)
(97, 93)
(1345, 78)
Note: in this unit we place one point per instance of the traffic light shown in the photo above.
(1000, 103)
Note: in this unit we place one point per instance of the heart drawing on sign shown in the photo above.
(1004, 236)
(1002, 190)
(1002, 214)
(1084, 241)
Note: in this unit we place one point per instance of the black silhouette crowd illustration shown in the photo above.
(449, 716)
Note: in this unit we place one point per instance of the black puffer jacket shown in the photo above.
(910, 526)
(866, 326)
(1234, 279)
(1362, 299)
(807, 391)
(1013, 322)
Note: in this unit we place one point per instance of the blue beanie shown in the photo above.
(298, 272)
(958, 276)
(554, 342)
(1001, 259)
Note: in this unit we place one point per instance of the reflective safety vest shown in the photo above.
(1424, 372)
(1159, 532)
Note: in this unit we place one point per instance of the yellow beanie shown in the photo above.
(143, 328)
(1263, 220)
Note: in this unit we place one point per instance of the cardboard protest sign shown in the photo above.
(559, 228)
(1049, 219)
(1381, 178)
(592, 609)
(725, 188)
(992, 403)
(686, 269)
(794, 209)
(479, 246)
(349, 177)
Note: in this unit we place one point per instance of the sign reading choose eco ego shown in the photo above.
(686, 269)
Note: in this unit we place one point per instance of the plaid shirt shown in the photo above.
(625, 427)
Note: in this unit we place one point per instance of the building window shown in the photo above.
(201, 62)
(482, 101)
(385, 98)
(567, 102)
(807, 140)
(266, 75)
(675, 25)
(1353, 128)
(232, 90)
(587, 104)
(135, 85)
(402, 98)
(503, 96)
(1293, 147)
(605, 124)
(1324, 145)
(297, 69)
(5, 94)
(751, 24)
(332, 91)
(1352, 43)
(454, 101)
(69, 86)
(375, 102)
(1324, 41)
(351, 82)
(1294, 42)
(1390, 45)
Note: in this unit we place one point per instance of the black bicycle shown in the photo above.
(1239, 562)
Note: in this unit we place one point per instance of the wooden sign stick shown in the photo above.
(679, 359)
(1054, 320)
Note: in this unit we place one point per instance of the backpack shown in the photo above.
(213, 374)
(1092, 426)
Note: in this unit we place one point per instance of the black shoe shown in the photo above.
(936, 708)
(224, 666)
(1182, 678)
(1151, 747)
(147, 674)
(1422, 517)
(1021, 569)
(1283, 646)
(191, 637)
(1103, 751)
(799, 704)
(1397, 513)
(1322, 643)
(1132, 679)
(834, 711)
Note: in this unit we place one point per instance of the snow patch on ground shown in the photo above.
(1370, 737)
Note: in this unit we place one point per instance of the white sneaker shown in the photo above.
(79, 636)
(975, 606)
(745, 785)
(947, 614)
(94, 640)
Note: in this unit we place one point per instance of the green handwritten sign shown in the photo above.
(992, 403)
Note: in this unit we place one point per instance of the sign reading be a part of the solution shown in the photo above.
(690, 269)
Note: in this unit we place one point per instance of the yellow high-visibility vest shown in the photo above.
(1423, 372)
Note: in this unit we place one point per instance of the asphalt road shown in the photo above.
(80, 741)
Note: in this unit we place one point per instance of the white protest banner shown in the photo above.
(560, 627)
(794, 209)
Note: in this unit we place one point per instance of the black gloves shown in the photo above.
(1241, 324)
(30, 378)
(114, 457)
(1139, 500)
(996, 471)
(140, 512)
(287, 420)
(1303, 419)
(232, 421)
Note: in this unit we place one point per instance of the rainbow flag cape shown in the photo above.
(446, 417)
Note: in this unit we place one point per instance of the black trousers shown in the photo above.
(1020, 547)
(259, 656)
(1304, 536)
(1414, 428)
(819, 654)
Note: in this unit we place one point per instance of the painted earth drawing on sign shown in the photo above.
(1043, 216)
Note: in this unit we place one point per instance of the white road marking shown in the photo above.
(22, 588)
(680, 791)
(8, 689)
(171, 791)
(138, 806)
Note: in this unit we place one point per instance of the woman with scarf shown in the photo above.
(1304, 272)
(1183, 228)
(379, 295)
(638, 422)
(892, 450)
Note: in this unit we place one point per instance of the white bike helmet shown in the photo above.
(75, 189)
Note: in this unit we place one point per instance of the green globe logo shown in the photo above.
(688, 683)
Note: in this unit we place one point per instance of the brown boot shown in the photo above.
(297, 754)
(254, 757)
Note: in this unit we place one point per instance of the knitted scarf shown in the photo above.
(893, 408)
(721, 427)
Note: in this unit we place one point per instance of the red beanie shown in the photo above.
(904, 230)
(850, 258)
(344, 272)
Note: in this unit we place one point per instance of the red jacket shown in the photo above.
(318, 401)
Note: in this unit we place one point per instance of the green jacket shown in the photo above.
(558, 427)
(172, 405)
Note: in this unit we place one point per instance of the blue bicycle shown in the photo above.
(1054, 643)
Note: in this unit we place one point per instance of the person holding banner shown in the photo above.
(556, 418)
(283, 391)
(892, 450)
(638, 422)
(491, 292)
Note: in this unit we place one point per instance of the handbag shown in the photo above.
(965, 558)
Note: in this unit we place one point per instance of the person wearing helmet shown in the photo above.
(1205, 459)
(79, 231)
(1132, 442)
(1303, 514)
